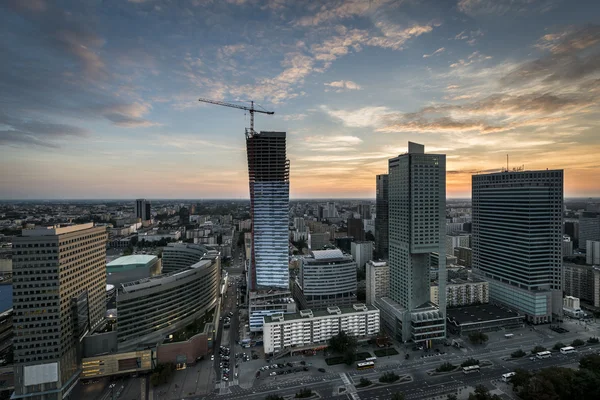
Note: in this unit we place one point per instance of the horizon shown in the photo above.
(104, 102)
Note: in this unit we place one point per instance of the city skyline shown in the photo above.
(102, 102)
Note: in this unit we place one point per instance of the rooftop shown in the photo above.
(480, 313)
(133, 259)
(327, 254)
(321, 313)
(55, 229)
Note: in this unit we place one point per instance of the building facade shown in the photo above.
(131, 268)
(417, 224)
(517, 240)
(583, 282)
(381, 216)
(308, 328)
(268, 171)
(461, 292)
(151, 308)
(356, 229)
(567, 246)
(464, 256)
(177, 256)
(327, 278)
(455, 240)
(143, 209)
(361, 253)
(589, 228)
(377, 280)
(318, 240)
(592, 252)
(59, 294)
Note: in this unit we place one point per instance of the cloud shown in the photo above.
(474, 57)
(500, 7)
(35, 132)
(438, 51)
(360, 118)
(294, 117)
(342, 85)
(341, 9)
(440, 125)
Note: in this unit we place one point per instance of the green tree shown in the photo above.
(518, 354)
(398, 396)
(558, 346)
(469, 362)
(478, 337)
(577, 343)
(590, 362)
(388, 377)
(350, 356)
(593, 340)
(274, 397)
(342, 342)
(538, 349)
(446, 367)
(482, 393)
(452, 396)
(364, 382)
(520, 379)
(303, 393)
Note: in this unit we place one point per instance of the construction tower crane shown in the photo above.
(251, 109)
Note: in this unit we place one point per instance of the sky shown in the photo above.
(99, 99)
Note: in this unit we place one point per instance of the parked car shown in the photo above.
(321, 369)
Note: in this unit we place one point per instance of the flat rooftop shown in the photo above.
(480, 313)
(133, 260)
(322, 313)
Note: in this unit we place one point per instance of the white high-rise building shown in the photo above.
(361, 253)
(455, 240)
(417, 227)
(517, 240)
(592, 252)
(378, 280)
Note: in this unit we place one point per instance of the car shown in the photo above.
(212, 357)
(532, 358)
(305, 368)
(321, 370)
(273, 373)
(289, 364)
(236, 375)
(225, 378)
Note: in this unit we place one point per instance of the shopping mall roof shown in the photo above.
(131, 262)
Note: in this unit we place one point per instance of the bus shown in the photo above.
(567, 350)
(371, 359)
(509, 335)
(470, 369)
(506, 377)
(543, 354)
(365, 365)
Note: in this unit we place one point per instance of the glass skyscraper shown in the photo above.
(517, 239)
(268, 171)
(381, 216)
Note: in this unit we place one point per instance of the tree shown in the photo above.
(369, 236)
(398, 396)
(538, 349)
(342, 342)
(478, 337)
(364, 382)
(577, 343)
(350, 356)
(445, 367)
(303, 393)
(469, 362)
(558, 346)
(518, 354)
(452, 396)
(388, 377)
(274, 397)
(590, 362)
(593, 340)
(520, 378)
(482, 393)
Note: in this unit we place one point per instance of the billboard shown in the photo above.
(41, 373)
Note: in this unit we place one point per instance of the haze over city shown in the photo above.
(102, 102)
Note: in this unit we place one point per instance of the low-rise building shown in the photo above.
(460, 292)
(583, 282)
(482, 318)
(464, 256)
(131, 268)
(308, 328)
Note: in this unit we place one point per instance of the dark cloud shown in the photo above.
(18, 138)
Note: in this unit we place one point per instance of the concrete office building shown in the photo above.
(364, 210)
(143, 209)
(309, 328)
(361, 253)
(460, 292)
(327, 278)
(592, 252)
(356, 229)
(589, 228)
(151, 308)
(377, 280)
(417, 224)
(571, 228)
(299, 224)
(464, 256)
(567, 246)
(455, 240)
(381, 216)
(176, 256)
(318, 240)
(131, 268)
(517, 240)
(583, 282)
(68, 264)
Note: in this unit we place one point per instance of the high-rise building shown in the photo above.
(269, 171)
(268, 276)
(567, 246)
(381, 217)
(582, 281)
(517, 239)
(417, 226)
(592, 252)
(356, 229)
(143, 209)
(330, 210)
(361, 253)
(457, 240)
(377, 280)
(59, 294)
(364, 210)
(571, 228)
(589, 228)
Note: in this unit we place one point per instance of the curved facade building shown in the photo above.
(177, 256)
(327, 278)
(131, 268)
(151, 308)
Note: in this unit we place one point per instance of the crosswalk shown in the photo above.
(350, 388)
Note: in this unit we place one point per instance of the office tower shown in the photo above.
(299, 224)
(589, 228)
(356, 229)
(318, 240)
(571, 228)
(517, 240)
(59, 283)
(268, 170)
(417, 226)
(361, 253)
(377, 280)
(143, 209)
(364, 210)
(268, 276)
(320, 212)
(592, 252)
(381, 216)
(455, 240)
(330, 210)
(327, 278)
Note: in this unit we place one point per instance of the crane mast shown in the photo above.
(249, 131)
